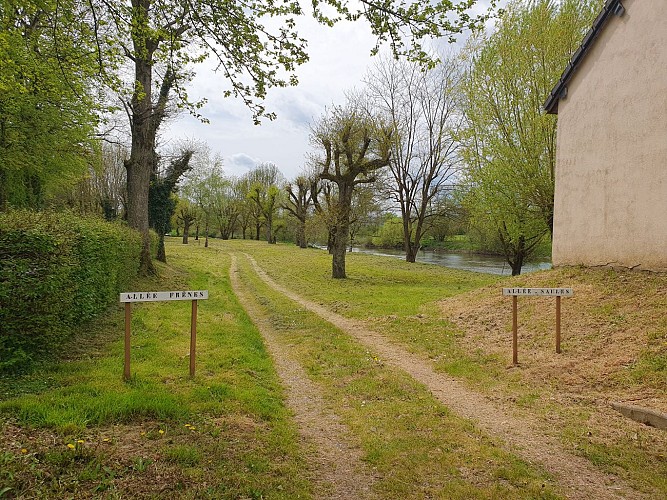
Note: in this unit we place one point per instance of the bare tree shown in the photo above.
(355, 146)
(422, 109)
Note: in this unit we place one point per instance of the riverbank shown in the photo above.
(466, 261)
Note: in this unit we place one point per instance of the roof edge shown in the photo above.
(560, 90)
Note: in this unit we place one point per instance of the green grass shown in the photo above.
(233, 408)
(404, 302)
(418, 448)
(227, 434)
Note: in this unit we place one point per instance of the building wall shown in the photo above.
(611, 167)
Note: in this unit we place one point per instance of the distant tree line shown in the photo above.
(431, 145)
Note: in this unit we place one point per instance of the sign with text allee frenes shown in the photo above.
(160, 296)
(545, 292)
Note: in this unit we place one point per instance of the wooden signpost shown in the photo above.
(515, 293)
(129, 297)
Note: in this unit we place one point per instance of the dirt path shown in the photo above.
(340, 473)
(578, 478)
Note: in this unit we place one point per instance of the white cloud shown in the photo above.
(339, 58)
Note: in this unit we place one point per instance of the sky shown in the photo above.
(339, 59)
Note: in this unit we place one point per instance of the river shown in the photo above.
(469, 262)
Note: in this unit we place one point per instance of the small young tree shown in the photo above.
(355, 146)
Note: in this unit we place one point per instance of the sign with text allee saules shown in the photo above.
(160, 296)
(545, 292)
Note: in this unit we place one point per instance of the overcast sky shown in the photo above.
(339, 58)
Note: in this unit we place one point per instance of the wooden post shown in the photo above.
(558, 324)
(193, 337)
(128, 321)
(515, 328)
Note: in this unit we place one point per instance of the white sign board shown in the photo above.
(545, 292)
(160, 296)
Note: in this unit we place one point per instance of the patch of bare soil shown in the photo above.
(339, 471)
(523, 435)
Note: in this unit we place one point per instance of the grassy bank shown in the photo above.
(614, 343)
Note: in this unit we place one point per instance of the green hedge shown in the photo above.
(56, 271)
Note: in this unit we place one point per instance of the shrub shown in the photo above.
(56, 271)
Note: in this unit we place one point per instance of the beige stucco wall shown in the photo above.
(611, 167)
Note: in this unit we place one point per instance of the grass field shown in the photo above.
(614, 343)
(74, 428)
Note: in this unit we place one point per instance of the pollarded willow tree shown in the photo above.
(422, 108)
(265, 192)
(353, 146)
(161, 40)
(509, 143)
(298, 203)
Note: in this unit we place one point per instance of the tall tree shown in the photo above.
(509, 143)
(422, 109)
(161, 39)
(354, 147)
(48, 107)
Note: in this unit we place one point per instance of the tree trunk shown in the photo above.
(519, 257)
(144, 124)
(410, 252)
(408, 247)
(331, 238)
(186, 231)
(269, 231)
(206, 232)
(138, 179)
(258, 227)
(161, 254)
(339, 251)
(301, 235)
(342, 232)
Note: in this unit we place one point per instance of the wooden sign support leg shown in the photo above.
(193, 337)
(515, 327)
(128, 321)
(558, 324)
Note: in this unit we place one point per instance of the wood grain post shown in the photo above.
(558, 324)
(515, 328)
(193, 337)
(128, 322)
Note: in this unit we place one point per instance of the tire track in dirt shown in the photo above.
(340, 473)
(576, 475)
